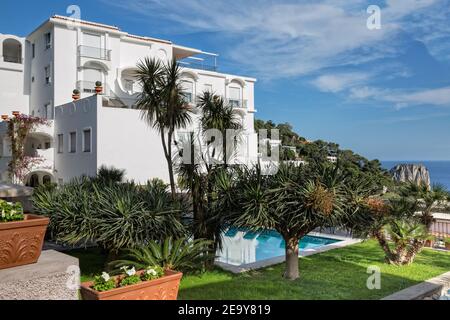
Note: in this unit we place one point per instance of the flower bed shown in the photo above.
(152, 283)
(21, 235)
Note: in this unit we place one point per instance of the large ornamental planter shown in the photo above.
(21, 241)
(164, 288)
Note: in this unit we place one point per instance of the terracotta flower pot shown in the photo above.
(16, 113)
(4, 117)
(164, 288)
(21, 241)
(429, 243)
(98, 90)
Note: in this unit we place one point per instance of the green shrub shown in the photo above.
(180, 255)
(115, 216)
(103, 282)
(10, 211)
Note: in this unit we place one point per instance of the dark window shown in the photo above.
(87, 140)
(73, 142)
(60, 143)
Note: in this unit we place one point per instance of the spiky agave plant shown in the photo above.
(181, 254)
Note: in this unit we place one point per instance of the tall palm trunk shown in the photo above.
(291, 272)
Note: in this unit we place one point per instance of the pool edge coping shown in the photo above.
(344, 241)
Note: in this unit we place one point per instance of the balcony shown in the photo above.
(237, 103)
(94, 53)
(89, 87)
(204, 61)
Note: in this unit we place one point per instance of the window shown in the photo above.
(60, 143)
(87, 140)
(187, 88)
(129, 85)
(48, 40)
(235, 97)
(46, 180)
(33, 50)
(73, 142)
(48, 77)
(48, 114)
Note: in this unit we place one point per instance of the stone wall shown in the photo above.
(54, 277)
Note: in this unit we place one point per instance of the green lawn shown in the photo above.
(336, 274)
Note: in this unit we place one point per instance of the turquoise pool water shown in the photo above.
(242, 246)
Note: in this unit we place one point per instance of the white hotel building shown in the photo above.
(39, 72)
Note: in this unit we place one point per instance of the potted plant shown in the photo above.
(21, 235)
(98, 87)
(151, 283)
(76, 94)
(447, 243)
(430, 242)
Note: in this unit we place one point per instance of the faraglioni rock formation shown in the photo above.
(416, 173)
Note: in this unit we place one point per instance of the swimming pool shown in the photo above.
(242, 246)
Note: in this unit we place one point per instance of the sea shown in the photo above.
(439, 170)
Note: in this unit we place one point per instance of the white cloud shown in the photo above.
(401, 99)
(288, 38)
(339, 82)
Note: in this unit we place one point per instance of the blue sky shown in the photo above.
(383, 93)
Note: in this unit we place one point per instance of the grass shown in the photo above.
(337, 274)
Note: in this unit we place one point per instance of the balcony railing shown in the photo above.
(89, 87)
(12, 59)
(95, 53)
(196, 65)
(237, 103)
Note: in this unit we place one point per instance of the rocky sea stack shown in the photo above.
(416, 173)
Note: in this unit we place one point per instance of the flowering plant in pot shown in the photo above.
(98, 87)
(447, 243)
(76, 94)
(151, 283)
(21, 235)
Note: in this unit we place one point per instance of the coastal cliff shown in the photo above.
(416, 173)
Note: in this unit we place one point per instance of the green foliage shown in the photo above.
(114, 216)
(110, 175)
(10, 211)
(129, 280)
(181, 255)
(162, 103)
(103, 283)
(152, 273)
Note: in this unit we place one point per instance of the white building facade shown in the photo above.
(38, 74)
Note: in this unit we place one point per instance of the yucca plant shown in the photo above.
(115, 216)
(181, 254)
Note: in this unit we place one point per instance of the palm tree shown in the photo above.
(201, 176)
(218, 115)
(426, 198)
(162, 104)
(294, 202)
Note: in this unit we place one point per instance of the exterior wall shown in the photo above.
(65, 64)
(41, 93)
(14, 93)
(134, 147)
(76, 117)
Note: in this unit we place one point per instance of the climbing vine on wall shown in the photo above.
(19, 127)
